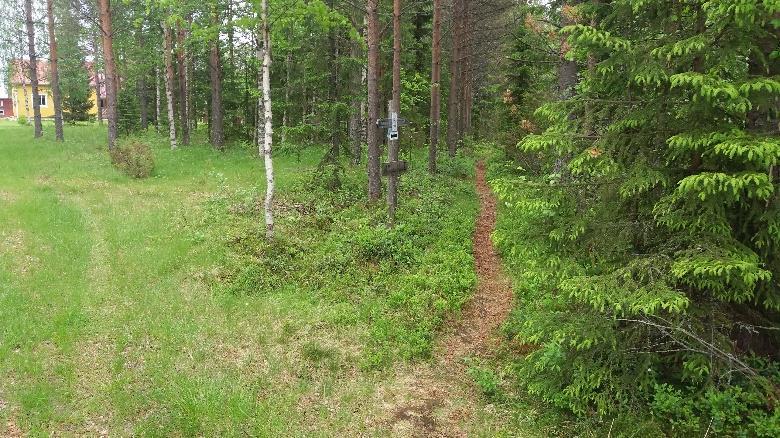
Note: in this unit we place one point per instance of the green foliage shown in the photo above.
(21, 119)
(133, 157)
(129, 114)
(400, 283)
(641, 221)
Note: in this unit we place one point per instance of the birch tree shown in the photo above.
(168, 59)
(268, 116)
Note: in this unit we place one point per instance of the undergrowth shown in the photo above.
(400, 283)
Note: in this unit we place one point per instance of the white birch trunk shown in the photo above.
(268, 131)
(157, 98)
(168, 42)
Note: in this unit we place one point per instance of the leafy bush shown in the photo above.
(22, 119)
(133, 157)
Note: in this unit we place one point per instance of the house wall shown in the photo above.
(20, 109)
(7, 107)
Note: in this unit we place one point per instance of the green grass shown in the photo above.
(154, 307)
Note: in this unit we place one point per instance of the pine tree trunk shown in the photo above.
(435, 86)
(373, 134)
(182, 71)
(453, 114)
(188, 76)
(111, 77)
(168, 57)
(356, 113)
(33, 68)
(394, 146)
(268, 131)
(56, 93)
(215, 74)
(98, 94)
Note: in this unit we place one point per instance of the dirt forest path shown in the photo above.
(437, 398)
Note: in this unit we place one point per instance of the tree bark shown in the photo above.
(394, 146)
(157, 98)
(188, 77)
(268, 134)
(355, 116)
(435, 86)
(373, 135)
(453, 113)
(111, 78)
(96, 72)
(334, 94)
(215, 74)
(182, 71)
(56, 93)
(33, 68)
(168, 57)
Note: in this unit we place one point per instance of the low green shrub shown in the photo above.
(22, 119)
(399, 284)
(133, 157)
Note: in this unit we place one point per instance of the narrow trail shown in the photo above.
(437, 398)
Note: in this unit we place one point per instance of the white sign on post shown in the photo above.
(392, 132)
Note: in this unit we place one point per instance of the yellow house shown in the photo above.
(21, 90)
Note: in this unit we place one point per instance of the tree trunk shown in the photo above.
(188, 77)
(333, 92)
(168, 56)
(394, 146)
(182, 70)
(33, 68)
(140, 86)
(268, 140)
(453, 114)
(157, 98)
(111, 78)
(357, 105)
(435, 86)
(215, 74)
(373, 135)
(56, 93)
(96, 72)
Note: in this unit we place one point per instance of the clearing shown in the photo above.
(115, 320)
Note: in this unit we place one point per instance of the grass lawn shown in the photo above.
(127, 309)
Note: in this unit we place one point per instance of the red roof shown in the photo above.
(21, 72)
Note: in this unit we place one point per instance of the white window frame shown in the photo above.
(45, 99)
(2, 111)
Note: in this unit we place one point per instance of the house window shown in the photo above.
(102, 103)
(42, 100)
(2, 110)
(2, 102)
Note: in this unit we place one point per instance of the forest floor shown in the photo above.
(437, 398)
